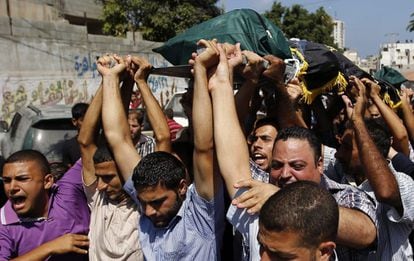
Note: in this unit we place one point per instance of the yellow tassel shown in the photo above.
(387, 99)
(309, 95)
(303, 64)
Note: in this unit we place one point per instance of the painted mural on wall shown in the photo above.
(76, 86)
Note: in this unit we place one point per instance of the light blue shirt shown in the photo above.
(195, 233)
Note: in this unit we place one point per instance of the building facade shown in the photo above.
(398, 55)
(339, 33)
(49, 48)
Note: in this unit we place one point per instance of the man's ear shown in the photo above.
(326, 250)
(74, 122)
(182, 187)
(320, 165)
(48, 181)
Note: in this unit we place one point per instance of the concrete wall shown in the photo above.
(30, 10)
(54, 63)
(79, 7)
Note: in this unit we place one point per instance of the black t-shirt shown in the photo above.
(71, 151)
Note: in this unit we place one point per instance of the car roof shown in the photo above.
(47, 112)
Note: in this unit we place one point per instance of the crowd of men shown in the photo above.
(236, 184)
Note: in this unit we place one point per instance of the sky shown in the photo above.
(368, 23)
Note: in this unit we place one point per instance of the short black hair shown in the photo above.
(79, 110)
(158, 168)
(30, 155)
(304, 208)
(102, 153)
(300, 133)
(379, 133)
(169, 113)
(58, 169)
(266, 121)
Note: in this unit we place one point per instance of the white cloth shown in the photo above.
(113, 233)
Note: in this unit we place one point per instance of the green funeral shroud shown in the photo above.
(245, 26)
(390, 75)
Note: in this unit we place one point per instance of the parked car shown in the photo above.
(40, 128)
(175, 105)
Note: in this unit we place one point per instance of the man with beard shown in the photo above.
(178, 221)
(362, 156)
(144, 144)
(296, 156)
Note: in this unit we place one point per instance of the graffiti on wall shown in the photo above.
(43, 93)
(79, 85)
(84, 64)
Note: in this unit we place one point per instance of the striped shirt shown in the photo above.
(113, 233)
(393, 228)
(145, 145)
(345, 195)
(195, 233)
(174, 128)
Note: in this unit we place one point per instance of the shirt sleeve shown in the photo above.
(6, 244)
(207, 215)
(91, 192)
(406, 187)
(239, 217)
(402, 163)
(130, 190)
(73, 175)
(358, 199)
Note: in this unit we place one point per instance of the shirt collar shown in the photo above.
(8, 216)
(142, 139)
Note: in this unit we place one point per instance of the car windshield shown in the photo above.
(48, 136)
(176, 106)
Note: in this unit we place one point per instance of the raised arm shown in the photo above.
(251, 72)
(375, 166)
(407, 114)
(284, 110)
(231, 146)
(395, 125)
(355, 229)
(155, 115)
(114, 119)
(203, 121)
(87, 137)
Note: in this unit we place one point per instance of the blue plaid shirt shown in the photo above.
(195, 233)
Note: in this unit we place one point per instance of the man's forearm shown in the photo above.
(355, 229)
(375, 167)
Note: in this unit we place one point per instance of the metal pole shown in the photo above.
(10, 19)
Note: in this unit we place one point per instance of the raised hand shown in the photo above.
(294, 89)
(361, 98)
(110, 65)
(275, 71)
(233, 54)
(372, 87)
(221, 74)
(143, 68)
(254, 67)
(209, 57)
